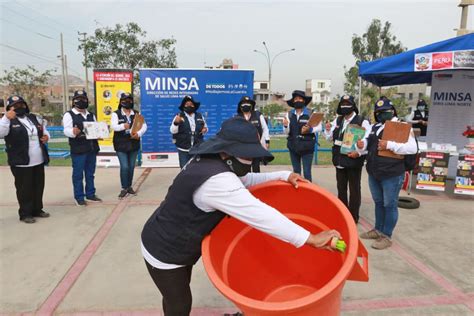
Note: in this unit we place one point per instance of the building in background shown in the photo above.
(261, 93)
(227, 63)
(412, 93)
(319, 89)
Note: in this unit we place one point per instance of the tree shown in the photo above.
(125, 47)
(271, 110)
(377, 42)
(27, 82)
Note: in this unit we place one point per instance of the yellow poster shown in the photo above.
(109, 86)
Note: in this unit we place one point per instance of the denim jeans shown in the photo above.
(83, 165)
(385, 195)
(307, 160)
(184, 157)
(127, 167)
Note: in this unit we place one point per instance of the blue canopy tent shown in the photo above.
(400, 69)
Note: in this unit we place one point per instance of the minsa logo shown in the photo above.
(452, 96)
(422, 61)
(442, 60)
(173, 84)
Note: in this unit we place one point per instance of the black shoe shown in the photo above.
(94, 198)
(28, 220)
(123, 193)
(42, 214)
(131, 191)
(81, 203)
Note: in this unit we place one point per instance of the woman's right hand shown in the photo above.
(322, 239)
(360, 144)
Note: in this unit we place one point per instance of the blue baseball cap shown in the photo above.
(79, 93)
(383, 104)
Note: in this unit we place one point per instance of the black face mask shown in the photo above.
(189, 109)
(127, 106)
(240, 169)
(346, 110)
(21, 111)
(81, 104)
(246, 108)
(382, 117)
(299, 105)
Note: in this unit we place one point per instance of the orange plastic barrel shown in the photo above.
(265, 276)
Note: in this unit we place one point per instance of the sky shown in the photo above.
(209, 31)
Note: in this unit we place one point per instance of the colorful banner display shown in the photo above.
(465, 175)
(460, 59)
(433, 171)
(109, 85)
(161, 92)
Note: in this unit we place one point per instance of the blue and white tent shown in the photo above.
(417, 65)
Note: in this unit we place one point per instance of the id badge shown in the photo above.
(338, 142)
(34, 138)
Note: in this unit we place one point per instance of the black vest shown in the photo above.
(297, 142)
(79, 144)
(343, 160)
(17, 142)
(183, 138)
(417, 117)
(378, 166)
(255, 120)
(174, 232)
(122, 140)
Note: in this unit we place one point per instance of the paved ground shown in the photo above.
(86, 261)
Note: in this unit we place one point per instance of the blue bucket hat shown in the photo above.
(186, 99)
(298, 93)
(237, 138)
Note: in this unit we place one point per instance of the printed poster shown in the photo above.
(433, 171)
(465, 175)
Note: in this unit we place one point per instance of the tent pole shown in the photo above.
(360, 93)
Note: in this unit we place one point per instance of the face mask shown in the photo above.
(189, 109)
(345, 110)
(127, 106)
(240, 169)
(421, 108)
(299, 105)
(246, 108)
(382, 117)
(81, 104)
(20, 111)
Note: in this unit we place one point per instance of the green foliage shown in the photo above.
(271, 110)
(27, 82)
(125, 47)
(377, 42)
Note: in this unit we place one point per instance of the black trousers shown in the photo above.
(29, 184)
(352, 177)
(174, 287)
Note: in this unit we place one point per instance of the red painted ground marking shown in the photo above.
(437, 278)
(61, 290)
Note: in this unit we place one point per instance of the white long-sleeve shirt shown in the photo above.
(121, 127)
(412, 115)
(265, 138)
(227, 193)
(34, 148)
(68, 123)
(174, 129)
(408, 148)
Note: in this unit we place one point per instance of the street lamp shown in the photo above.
(270, 62)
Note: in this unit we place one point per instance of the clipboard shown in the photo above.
(138, 122)
(315, 119)
(397, 132)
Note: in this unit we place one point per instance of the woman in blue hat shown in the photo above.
(211, 186)
(25, 139)
(385, 173)
(301, 137)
